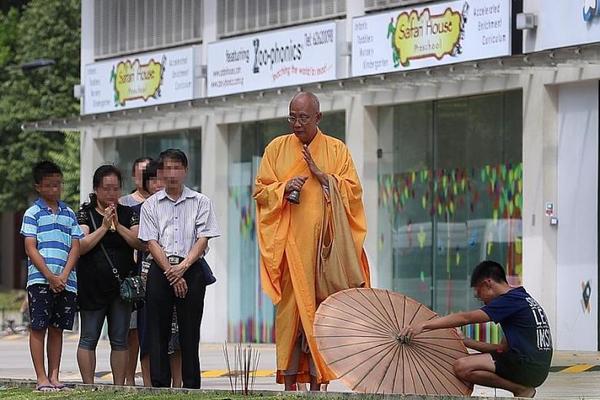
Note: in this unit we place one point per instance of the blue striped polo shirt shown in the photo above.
(54, 233)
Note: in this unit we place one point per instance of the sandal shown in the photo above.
(63, 387)
(46, 388)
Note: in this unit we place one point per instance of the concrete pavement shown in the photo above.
(574, 375)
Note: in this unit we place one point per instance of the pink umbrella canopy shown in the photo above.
(358, 335)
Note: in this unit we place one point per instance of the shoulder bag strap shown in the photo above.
(110, 263)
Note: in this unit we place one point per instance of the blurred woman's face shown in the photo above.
(139, 171)
(154, 185)
(109, 191)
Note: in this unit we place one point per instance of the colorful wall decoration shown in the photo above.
(448, 220)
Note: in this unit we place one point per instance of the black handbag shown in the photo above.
(131, 289)
(207, 273)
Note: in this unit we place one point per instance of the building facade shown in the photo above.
(474, 132)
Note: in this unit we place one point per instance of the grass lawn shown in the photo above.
(21, 393)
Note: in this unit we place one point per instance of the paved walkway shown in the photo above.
(573, 375)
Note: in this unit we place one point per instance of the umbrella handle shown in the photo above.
(403, 339)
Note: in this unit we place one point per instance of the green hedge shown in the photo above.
(11, 300)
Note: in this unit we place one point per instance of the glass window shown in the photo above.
(405, 240)
(251, 313)
(130, 148)
(450, 196)
(127, 149)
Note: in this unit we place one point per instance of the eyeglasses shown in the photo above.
(303, 119)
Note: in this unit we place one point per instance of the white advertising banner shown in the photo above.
(274, 59)
(139, 80)
(563, 23)
(426, 36)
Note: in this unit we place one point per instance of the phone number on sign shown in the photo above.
(317, 38)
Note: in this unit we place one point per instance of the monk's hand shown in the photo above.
(180, 287)
(320, 175)
(295, 183)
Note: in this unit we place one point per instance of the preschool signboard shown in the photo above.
(431, 35)
(139, 80)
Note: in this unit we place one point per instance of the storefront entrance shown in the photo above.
(450, 195)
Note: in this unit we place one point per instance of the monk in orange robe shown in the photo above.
(288, 233)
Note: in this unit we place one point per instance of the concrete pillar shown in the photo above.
(209, 23)
(91, 156)
(87, 38)
(385, 255)
(209, 35)
(215, 162)
(361, 138)
(88, 149)
(540, 157)
(353, 9)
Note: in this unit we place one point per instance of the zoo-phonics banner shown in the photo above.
(272, 59)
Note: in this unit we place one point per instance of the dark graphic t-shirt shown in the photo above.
(524, 324)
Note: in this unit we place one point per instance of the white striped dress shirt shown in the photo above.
(177, 224)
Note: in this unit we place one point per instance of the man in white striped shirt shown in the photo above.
(176, 223)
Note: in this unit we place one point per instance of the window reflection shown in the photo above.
(450, 195)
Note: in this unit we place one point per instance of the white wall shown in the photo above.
(577, 209)
(560, 24)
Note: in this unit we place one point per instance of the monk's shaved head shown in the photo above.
(304, 116)
(314, 100)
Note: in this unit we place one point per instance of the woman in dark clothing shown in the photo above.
(109, 224)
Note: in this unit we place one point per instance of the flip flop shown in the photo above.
(62, 387)
(46, 388)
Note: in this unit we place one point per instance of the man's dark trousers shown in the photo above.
(160, 300)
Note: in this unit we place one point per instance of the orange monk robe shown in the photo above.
(288, 236)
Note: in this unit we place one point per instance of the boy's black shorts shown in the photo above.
(511, 366)
(47, 308)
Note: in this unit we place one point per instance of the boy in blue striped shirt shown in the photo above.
(52, 236)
